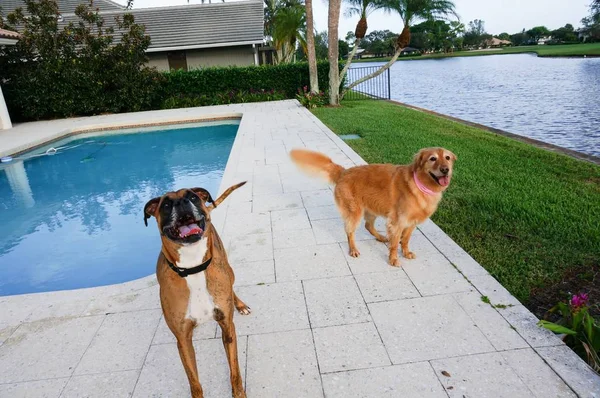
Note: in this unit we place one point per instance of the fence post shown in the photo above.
(389, 84)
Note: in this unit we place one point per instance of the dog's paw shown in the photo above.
(382, 239)
(354, 253)
(394, 262)
(409, 255)
(244, 310)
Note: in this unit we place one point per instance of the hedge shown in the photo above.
(159, 90)
(287, 78)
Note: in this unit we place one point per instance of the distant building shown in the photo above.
(189, 36)
(544, 40)
(495, 42)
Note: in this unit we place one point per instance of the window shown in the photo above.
(177, 60)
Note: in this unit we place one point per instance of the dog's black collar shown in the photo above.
(183, 272)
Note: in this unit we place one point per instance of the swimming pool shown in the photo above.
(74, 219)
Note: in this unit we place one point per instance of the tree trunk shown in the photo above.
(310, 43)
(401, 42)
(349, 60)
(333, 22)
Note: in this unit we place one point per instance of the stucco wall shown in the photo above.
(158, 60)
(223, 56)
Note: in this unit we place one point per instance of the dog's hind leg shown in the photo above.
(188, 356)
(351, 221)
(225, 320)
(240, 305)
(406, 234)
(370, 226)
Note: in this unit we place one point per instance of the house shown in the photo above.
(544, 40)
(408, 51)
(7, 38)
(358, 54)
(188, 36)
(495, 42)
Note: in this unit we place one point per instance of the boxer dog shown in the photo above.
(196, 281)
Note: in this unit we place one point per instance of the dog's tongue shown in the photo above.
(444, 181)
(186, 230)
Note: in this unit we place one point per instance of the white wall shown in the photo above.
(5, 122)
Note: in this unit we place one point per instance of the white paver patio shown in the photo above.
(323, 323)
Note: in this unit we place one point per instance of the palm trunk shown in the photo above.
(333, 22)
(310, 44)
(349, 60)
(401, 42)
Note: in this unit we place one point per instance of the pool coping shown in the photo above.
(67, 133)
(523, 321)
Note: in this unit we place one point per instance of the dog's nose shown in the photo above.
(444, 170)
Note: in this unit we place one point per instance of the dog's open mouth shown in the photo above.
(443, 180)
(187, 231)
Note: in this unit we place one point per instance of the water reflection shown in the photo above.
(75, 219)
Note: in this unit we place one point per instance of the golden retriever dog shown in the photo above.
(405, 195)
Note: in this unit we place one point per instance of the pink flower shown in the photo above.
(579, 300)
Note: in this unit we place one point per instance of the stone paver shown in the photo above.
(323, 323)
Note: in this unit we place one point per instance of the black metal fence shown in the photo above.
(377, 87)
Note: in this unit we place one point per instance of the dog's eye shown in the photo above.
(167, 205)
(195, 198)
(433, 158)
(447, 157)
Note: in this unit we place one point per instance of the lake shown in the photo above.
(556, 100)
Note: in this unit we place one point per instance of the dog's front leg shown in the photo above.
(406, 234)
(394, 232)
(225, 320)
(188, 357)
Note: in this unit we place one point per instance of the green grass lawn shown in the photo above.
(529, 216)
(563, 50)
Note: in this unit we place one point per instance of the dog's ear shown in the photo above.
(420, 157)
(204, 194)
(452, 156)
(150, 209)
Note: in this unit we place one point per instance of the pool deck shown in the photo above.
(323, 323)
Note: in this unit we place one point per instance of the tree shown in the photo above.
(310, 44)
(476, 34)
(82, 68)
(409, 11)
(288, 29)
(362, 8)
(321, 45)
(333, 23)
(436, 35)
(538, 32)
(521, 38)
(591, 23)
(503, 36)
(564, 34)
(343, 49)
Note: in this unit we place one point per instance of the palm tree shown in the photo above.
(288, 30)
(410, 11)
(311, 53)
(333, 23)
(362, 8)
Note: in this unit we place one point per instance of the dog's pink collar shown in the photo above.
(421, 186)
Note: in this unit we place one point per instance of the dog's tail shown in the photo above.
(316, 163)
(225, 194)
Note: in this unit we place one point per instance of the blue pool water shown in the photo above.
(75, 219)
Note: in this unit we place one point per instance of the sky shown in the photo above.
(499, 16)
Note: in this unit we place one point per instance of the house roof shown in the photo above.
(65, 7)
(8, 34)
(494, 41)
(197, 26)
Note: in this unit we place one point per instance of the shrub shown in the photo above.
(75, 69)
(310, 100)
(230, 97)
(582, 332)
(286, 78)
